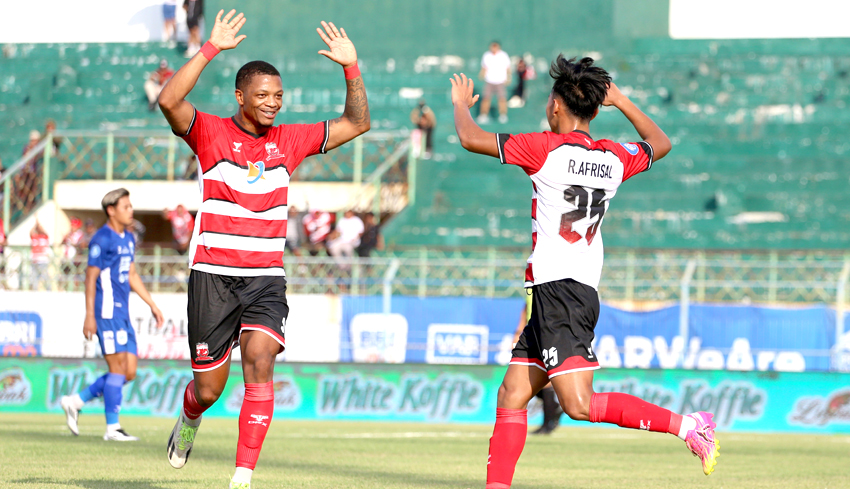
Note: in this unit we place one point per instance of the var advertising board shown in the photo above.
(458, 331)
(807, 402)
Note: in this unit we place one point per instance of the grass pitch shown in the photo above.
(38, 451)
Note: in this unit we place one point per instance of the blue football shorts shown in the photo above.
(116, 336)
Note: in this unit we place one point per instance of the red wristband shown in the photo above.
(352, 73)
(209, 51)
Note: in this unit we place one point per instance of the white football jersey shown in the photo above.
(574, 179)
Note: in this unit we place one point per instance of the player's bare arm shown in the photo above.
(90, 325)
(172, 100)
(137, 286)
(471, 136)
(355, 119)
(648, 130)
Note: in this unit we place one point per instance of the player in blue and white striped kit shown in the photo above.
(110, 276)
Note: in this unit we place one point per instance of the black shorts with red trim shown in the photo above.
(558, 336)
(221, 307)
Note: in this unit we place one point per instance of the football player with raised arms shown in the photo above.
(237, 283)
(574, 177)
(110, 275)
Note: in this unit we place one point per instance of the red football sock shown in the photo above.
(191, 408)
(506, 445)
(632, 412)
(254, 419)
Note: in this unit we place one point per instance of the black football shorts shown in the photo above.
(221, 307)
(557, 338)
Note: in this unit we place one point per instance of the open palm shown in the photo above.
(223, 35)
(340, 48)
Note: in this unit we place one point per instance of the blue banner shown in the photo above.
(472, 330)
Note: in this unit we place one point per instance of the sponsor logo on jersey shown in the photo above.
(272, 153)
(255, 171)
(237, 147)
(632, 148)
(202, 352)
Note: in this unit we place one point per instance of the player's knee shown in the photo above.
(260, 368)
(576, 409)
(207, 395)
(511, 397)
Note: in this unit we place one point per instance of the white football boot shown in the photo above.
(118, 435)
(181, 440)
(72, 405)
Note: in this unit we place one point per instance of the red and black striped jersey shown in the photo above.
(574, 178)
(240, 229)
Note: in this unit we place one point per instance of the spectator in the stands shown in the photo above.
(50, 128)
(182, 224)
(372, 238)
(138, 229)
(169, 21)
(157, 79)
(194, 16)
(72, 243)
(496, 73)
(424, 119)
(317, 227)
(345, 239)
(523, 72)
(40, 255)
(88, 231)
(35, 138)
(293, 234)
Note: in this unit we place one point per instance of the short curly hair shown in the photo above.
(251, 69)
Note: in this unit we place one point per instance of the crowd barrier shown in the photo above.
(458, 330)
(807, 402)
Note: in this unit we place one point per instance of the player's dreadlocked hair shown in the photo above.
(581, 85)
(252, 68)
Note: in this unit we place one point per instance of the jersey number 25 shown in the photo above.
(590, 203)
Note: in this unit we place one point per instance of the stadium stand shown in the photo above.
(757, 161)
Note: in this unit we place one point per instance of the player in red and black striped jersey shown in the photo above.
(574, 177)
(237, 285)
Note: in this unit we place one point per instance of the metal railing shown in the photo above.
(637, 276)
(376, 157)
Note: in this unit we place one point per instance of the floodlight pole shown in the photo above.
(685, 302)
(389, 276)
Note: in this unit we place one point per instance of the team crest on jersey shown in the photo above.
(255, 171)
(632, 148)
(202, 352)
(272, 153)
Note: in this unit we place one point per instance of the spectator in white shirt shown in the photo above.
(496, 73)
(347, 239)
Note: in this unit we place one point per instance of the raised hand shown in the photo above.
(340, 48)
(223, 35)
(462, 88)
(613, 96)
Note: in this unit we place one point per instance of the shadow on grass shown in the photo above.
(90, 483)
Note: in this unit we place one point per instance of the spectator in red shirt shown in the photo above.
(73, 241)
(156, 81)
(182, 224)
(317, 227)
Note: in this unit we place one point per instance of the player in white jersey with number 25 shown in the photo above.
(574, 177)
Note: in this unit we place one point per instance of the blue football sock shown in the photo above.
(112, 397)
(94, 390)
